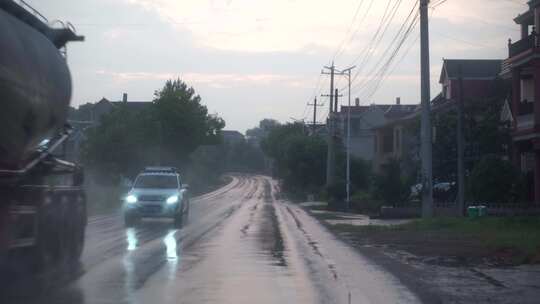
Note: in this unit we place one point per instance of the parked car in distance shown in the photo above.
(157, 192)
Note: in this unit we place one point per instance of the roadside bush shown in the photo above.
(336, 194)
(390, 186)
(363, 202)
(360, 173)
(494, 180)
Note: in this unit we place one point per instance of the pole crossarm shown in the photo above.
(326, 95)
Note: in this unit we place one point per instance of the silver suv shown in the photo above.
(157, 193)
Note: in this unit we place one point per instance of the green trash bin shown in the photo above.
(472, 212)
(481, 211)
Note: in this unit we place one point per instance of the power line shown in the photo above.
(376, 39)
(434, 5)
(397, 64)
(384, 69)
(340, 48)
(359, 26)
(444, 35)
(367, 49)
(398, 39)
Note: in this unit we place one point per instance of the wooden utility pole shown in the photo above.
(315, 105)
(460, 150)
(330, 156)
(426, 138)
(336, 100)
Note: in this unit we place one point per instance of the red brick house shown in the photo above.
(477, 74)
(397, 140)
(522, 68)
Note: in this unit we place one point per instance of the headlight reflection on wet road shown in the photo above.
(170, 243)
(131, 237)
(172, 254)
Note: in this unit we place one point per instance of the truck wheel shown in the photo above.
(48, 248)
(77, 226)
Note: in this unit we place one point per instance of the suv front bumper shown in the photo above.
(144, 209)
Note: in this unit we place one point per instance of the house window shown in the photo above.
(527, 162)
(527, 89)
(398, 139)
(388, 140)
(355, 126)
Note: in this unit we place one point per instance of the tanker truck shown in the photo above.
(42, 202)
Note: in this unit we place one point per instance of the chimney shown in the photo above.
(398, 100)
(124, 97)
(357, 102)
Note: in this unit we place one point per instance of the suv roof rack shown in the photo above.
(161, 169)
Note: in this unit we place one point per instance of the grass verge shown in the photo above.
(508, 241)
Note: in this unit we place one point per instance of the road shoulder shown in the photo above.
(434, 279)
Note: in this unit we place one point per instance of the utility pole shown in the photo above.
(336, 100)
(460, 150)
(426, 140)
(315, 105)
(330, 156)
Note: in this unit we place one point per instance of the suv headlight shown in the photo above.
(130, 199)
(172, 199)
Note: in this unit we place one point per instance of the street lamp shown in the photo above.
(347, 72)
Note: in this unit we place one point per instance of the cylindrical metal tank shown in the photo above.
(35, 90)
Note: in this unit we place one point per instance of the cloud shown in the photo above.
(214, 80)
(494, 13)
(264, 26)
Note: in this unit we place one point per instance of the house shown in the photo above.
(364, 120)
(522, 68)
(396, 138)
(93, 112)
(89, 115)
(477, 74)
(232, 137)
(399, 138)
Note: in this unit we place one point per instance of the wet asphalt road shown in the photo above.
(242, 244)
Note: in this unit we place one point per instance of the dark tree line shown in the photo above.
(166, 133)
(299, 161)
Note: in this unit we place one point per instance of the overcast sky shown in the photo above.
(254, 59)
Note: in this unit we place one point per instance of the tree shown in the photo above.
(305, 163)
(494, 180)
(183, 122)
(257, 134)
(485, 134)
(165, 133)
(243, 156)
(300, 160)
(391, 186)
(273, 145)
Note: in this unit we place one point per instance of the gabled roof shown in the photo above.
(397, 111)
(133, 105)
(362, 109)
(471, 68)
(232, 133)
(103, 100)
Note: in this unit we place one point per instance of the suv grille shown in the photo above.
(151, 198)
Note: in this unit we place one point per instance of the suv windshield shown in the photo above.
(156, 181)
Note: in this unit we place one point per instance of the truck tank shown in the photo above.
(42, 198)
(36, 88)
